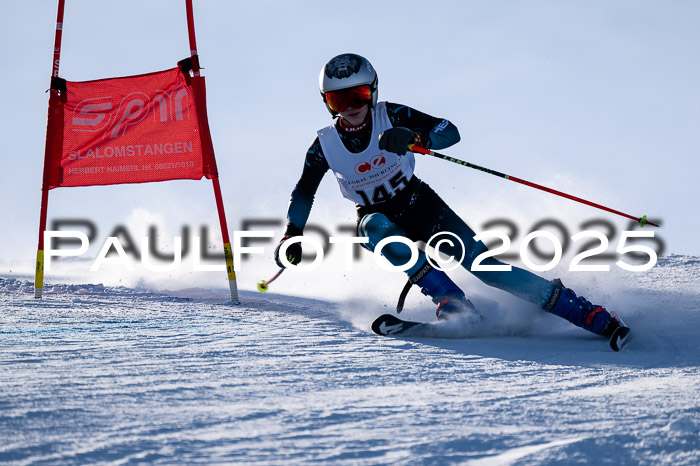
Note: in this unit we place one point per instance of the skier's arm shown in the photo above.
(315, 166)
(434, 133)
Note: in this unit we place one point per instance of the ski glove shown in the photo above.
(293, 251)
(396, 140)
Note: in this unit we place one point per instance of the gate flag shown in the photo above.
(136, 129)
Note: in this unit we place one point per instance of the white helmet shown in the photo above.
(346, 71)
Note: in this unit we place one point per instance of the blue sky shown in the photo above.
(598, 99)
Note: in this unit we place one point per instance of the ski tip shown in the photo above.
(381, 323)
(619, 338)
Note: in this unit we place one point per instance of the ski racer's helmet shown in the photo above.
(347, 79)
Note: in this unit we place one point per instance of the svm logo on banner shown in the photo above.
(132, 136)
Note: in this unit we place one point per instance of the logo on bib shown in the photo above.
(362, 168)
(376, 162)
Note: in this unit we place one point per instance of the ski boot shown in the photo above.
(582, 313)
(444, 292)
(454, 304)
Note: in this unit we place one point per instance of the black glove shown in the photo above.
(396, 140)
(293, 251)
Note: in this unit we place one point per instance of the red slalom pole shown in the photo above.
(53, 96)
(191, 34)
(228, 252)
(642, 220)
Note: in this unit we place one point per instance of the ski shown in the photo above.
(390, 325)
(619, 338)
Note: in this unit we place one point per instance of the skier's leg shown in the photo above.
(429, 214)
(432, 282)
(551, 296)
(517, 281)
(376, 227)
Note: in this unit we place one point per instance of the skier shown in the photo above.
(370, 137)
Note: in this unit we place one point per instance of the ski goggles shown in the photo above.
(353, 97)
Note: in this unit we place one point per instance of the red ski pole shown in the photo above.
(642, 220)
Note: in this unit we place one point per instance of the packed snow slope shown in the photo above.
(106, 374)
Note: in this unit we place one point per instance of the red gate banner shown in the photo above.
(136, 129)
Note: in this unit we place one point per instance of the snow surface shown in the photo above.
(122, 375)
